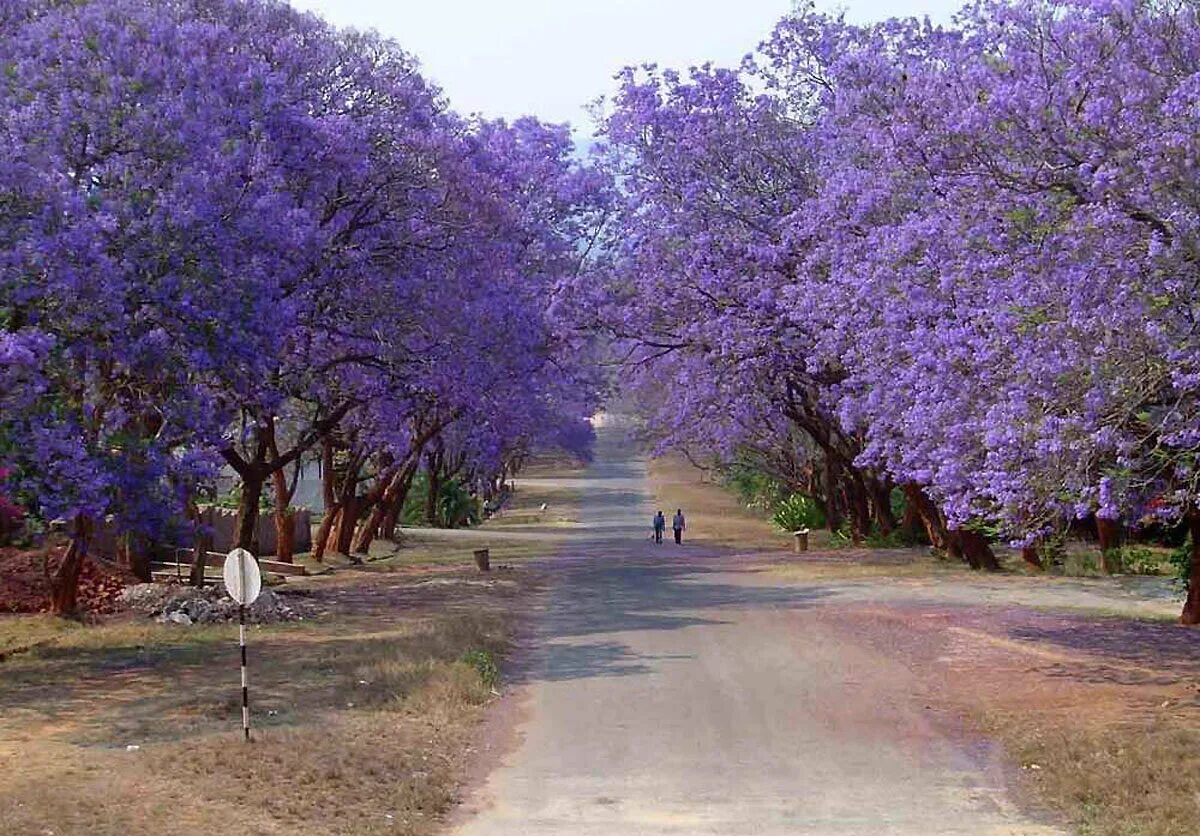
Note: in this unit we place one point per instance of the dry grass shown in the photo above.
(852, 564)
(362, 719)
(1131, 777)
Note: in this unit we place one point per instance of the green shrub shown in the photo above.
(797, 512)
(483, 662)
(456, 505)
(1136, 560)
(1181, 560)
(753, 487)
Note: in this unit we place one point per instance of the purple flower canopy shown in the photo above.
(228, 230)
(960, 260)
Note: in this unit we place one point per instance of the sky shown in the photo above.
(551, 58)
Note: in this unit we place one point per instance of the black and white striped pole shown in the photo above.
(243, 582)
(245, 681)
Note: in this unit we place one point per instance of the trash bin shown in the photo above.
(801, 540)
(482, 560)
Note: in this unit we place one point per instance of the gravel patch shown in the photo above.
(186, 605)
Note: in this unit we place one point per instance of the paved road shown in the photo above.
(673, 694)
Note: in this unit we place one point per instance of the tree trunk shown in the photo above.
(285, 518)
(881, 501)
(323, 532)
(345, 530)
(1191, 607)
(833, 510)
(247, 518)
(393, 497)
(431, 499)
(285, 535)
(1108, 536)
(975, 550)
(860, 508)
(930, 516)
(202, 547)
(64, 590)
(1030, 555)
(954, 547)
(134, 556)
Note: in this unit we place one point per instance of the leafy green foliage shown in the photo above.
(755, 488)
(456, 505)
(798, 512)
(1181, 559)
(485, 664)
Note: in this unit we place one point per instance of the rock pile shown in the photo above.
(210, 605)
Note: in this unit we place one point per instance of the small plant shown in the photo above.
(1136, 560)
(1081, 564)
(484, 664)
(798, 512)
(1181, 560)
(753, 487)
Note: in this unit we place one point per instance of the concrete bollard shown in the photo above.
(482, 560)
(801, 540)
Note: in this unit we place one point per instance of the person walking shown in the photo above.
(660, 523)
(679, 524)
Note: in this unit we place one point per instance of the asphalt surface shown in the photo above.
(668, 692)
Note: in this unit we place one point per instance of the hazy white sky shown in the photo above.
(550, 58)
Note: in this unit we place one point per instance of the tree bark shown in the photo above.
(1108, 536)
(1191, 607)
(134, 556)
(975, 550)
(346, 525)
(1030, 555)
(930, 516)
(247, 517)
(393, 497)
(833, 515)
(202, 547)
(323, 532)
(881, 502)
(64, 590)
(435, 489)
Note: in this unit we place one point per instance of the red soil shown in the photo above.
(25, 582)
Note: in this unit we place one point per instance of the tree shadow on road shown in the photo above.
(607, 596)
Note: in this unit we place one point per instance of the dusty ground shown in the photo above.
(364, 717)
(1088, 684)
(720, 688)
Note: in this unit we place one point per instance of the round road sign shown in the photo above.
(243, 580)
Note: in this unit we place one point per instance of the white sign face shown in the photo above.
(243, 580)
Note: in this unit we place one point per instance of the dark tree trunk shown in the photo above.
(393, 497)
(833, 517)
(201, 548)
(135, 556)
(1108, 536)
(64, 589)
(435, 490)
(881, 502)
(954, 548)
(860, 507)
(931, 518)
(323, 532)
(1191, 607)
(346, 525)
(285, 519)
(247, 517)
(1030, 555)
(975, 550)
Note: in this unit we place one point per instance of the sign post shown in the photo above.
(243, 582)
